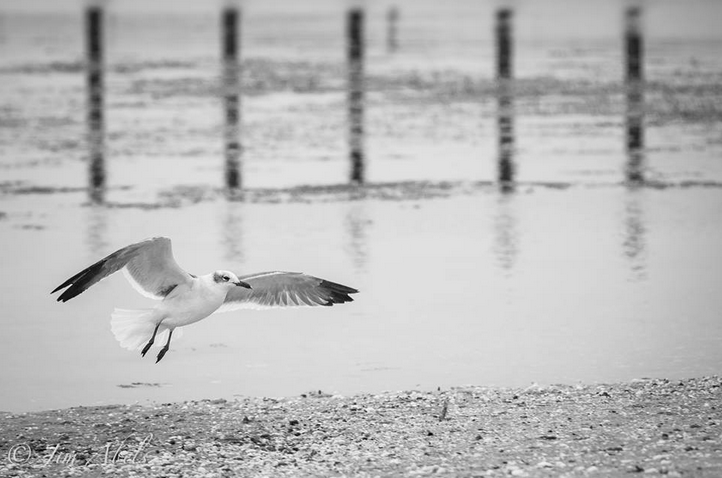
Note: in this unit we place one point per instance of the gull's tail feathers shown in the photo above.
(133, 328)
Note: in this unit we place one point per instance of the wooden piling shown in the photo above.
(354, 35)
(505, 123)
(634, 44)
(230, 20)
(634, 83)
(505, 104)
(504, 43)
(95, 89)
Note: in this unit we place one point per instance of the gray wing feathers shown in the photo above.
(286, 289)
(150, 265)
(154, 270)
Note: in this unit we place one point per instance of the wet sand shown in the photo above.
(655, 427)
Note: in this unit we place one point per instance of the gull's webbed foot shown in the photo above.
(161, 354)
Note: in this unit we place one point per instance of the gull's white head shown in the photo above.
(229, 279)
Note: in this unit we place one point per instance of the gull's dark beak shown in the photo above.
(240, 283)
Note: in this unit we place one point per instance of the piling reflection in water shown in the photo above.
(505, 105)
(97, 230)
(96, 130)
(231, 98)
(354, 35)
(635, 232)
(506, 233)
(356, 226)
(634, 83)
(232, 232)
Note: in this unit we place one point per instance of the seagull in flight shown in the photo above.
(185, 298)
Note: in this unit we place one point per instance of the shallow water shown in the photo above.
(573, 276)
(587, 284)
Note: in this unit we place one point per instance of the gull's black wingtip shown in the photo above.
(64, 284)
(68, 294)
(65, 296)
(68, 283)
(59, 298)
(338, 293)
(80, 281)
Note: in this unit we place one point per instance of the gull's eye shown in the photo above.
(226, 278)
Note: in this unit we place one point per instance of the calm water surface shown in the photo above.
(573, 277)
(544, 285)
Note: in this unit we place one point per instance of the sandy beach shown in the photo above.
(654, 426)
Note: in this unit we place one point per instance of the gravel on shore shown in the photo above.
(650, 427)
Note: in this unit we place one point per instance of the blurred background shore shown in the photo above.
(430, 111)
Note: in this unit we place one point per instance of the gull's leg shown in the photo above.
(162, 352)
(150, 343)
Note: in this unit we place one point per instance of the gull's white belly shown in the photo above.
(190, 306)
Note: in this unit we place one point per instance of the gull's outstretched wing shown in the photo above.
(149, 266)
(285, 289)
